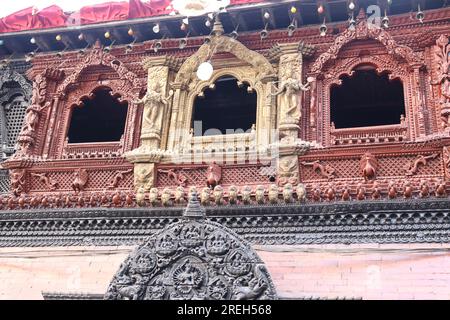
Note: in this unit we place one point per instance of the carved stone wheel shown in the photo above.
(194, 259)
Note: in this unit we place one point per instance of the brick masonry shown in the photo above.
(410, 271)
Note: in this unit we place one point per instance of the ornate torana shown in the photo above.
(191, 260)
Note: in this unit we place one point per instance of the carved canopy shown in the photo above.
(190, 260)
(365, 30)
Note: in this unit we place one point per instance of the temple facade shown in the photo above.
(322, 150)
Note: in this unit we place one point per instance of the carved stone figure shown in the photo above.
(144, 176)
(446, 156)
(325, 171)
(49, 182)
(392, 190)
(288, 170)
(154, 102)
(424, 189)
(218, 195)
(260, 194)
(80, 181)
(346, 196)
(180, 195)
(246, 195)
(407, 190)
(273, 194)
(331, 193)
(316, 193)
(288, 192)
(290, 89)
(166, 197)
(232, 194)
(360, 192)
(17, 178)
(369, 166)
(194, 259)
(376, 192)
(412, 167)
(205, 196)
(301, 192)
(114, 183)
(441, 189)
(153, 196)
(214, 175)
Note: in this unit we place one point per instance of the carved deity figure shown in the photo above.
(290, 89)
(32, 116)
(49, 182)
(17, 181)
(443, 65)
(154, 101)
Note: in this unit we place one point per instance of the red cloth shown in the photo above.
(109, 11)
(139, 9)
(238, 2)
(51, 17)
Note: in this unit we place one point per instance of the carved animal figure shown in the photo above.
(218, 195)
(325, 171)
(412, 167)
(369, 166)
(114, 183)
(232, 194)
(80, 181)
(179, 178)
(43, 178)
(273, 194)
(246, 195)
(259, 194)
(288, 193)
(214, 175)
(17, 181)
(301, 193)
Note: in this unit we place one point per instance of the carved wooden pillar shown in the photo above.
(155, 121)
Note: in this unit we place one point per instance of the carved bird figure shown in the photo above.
(80, 181)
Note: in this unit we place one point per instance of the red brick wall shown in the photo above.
(357, 271)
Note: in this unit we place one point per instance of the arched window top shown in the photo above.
(100, 117)
(225, 107)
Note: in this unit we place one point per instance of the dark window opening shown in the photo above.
(227, 105)
(367, 99)
(100, 118)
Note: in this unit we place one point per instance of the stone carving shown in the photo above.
(144, 176)
(392, 190)
(325, 171)
(412, 167)
(440, 189)
(180, 195)
(232, 194)
(205, 196)
(273, 194)
(154, 102)
(288, 192)
(288, 171)
(442, 53)
(214, 175)
(290, 90)
(50, 183)
(218, 195)
(260, 194)
(446, 155)
(166, 197)
(140, 197)
(246, 195)
(369, 166)
(193, 259)
(17, 177)
(81, 178)
(301, 192)
(114, 183)
(153, 196)
(178, 178)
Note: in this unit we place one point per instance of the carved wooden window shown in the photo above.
(99, 118)
(367, 99)
(226, 107)
(13, 108)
